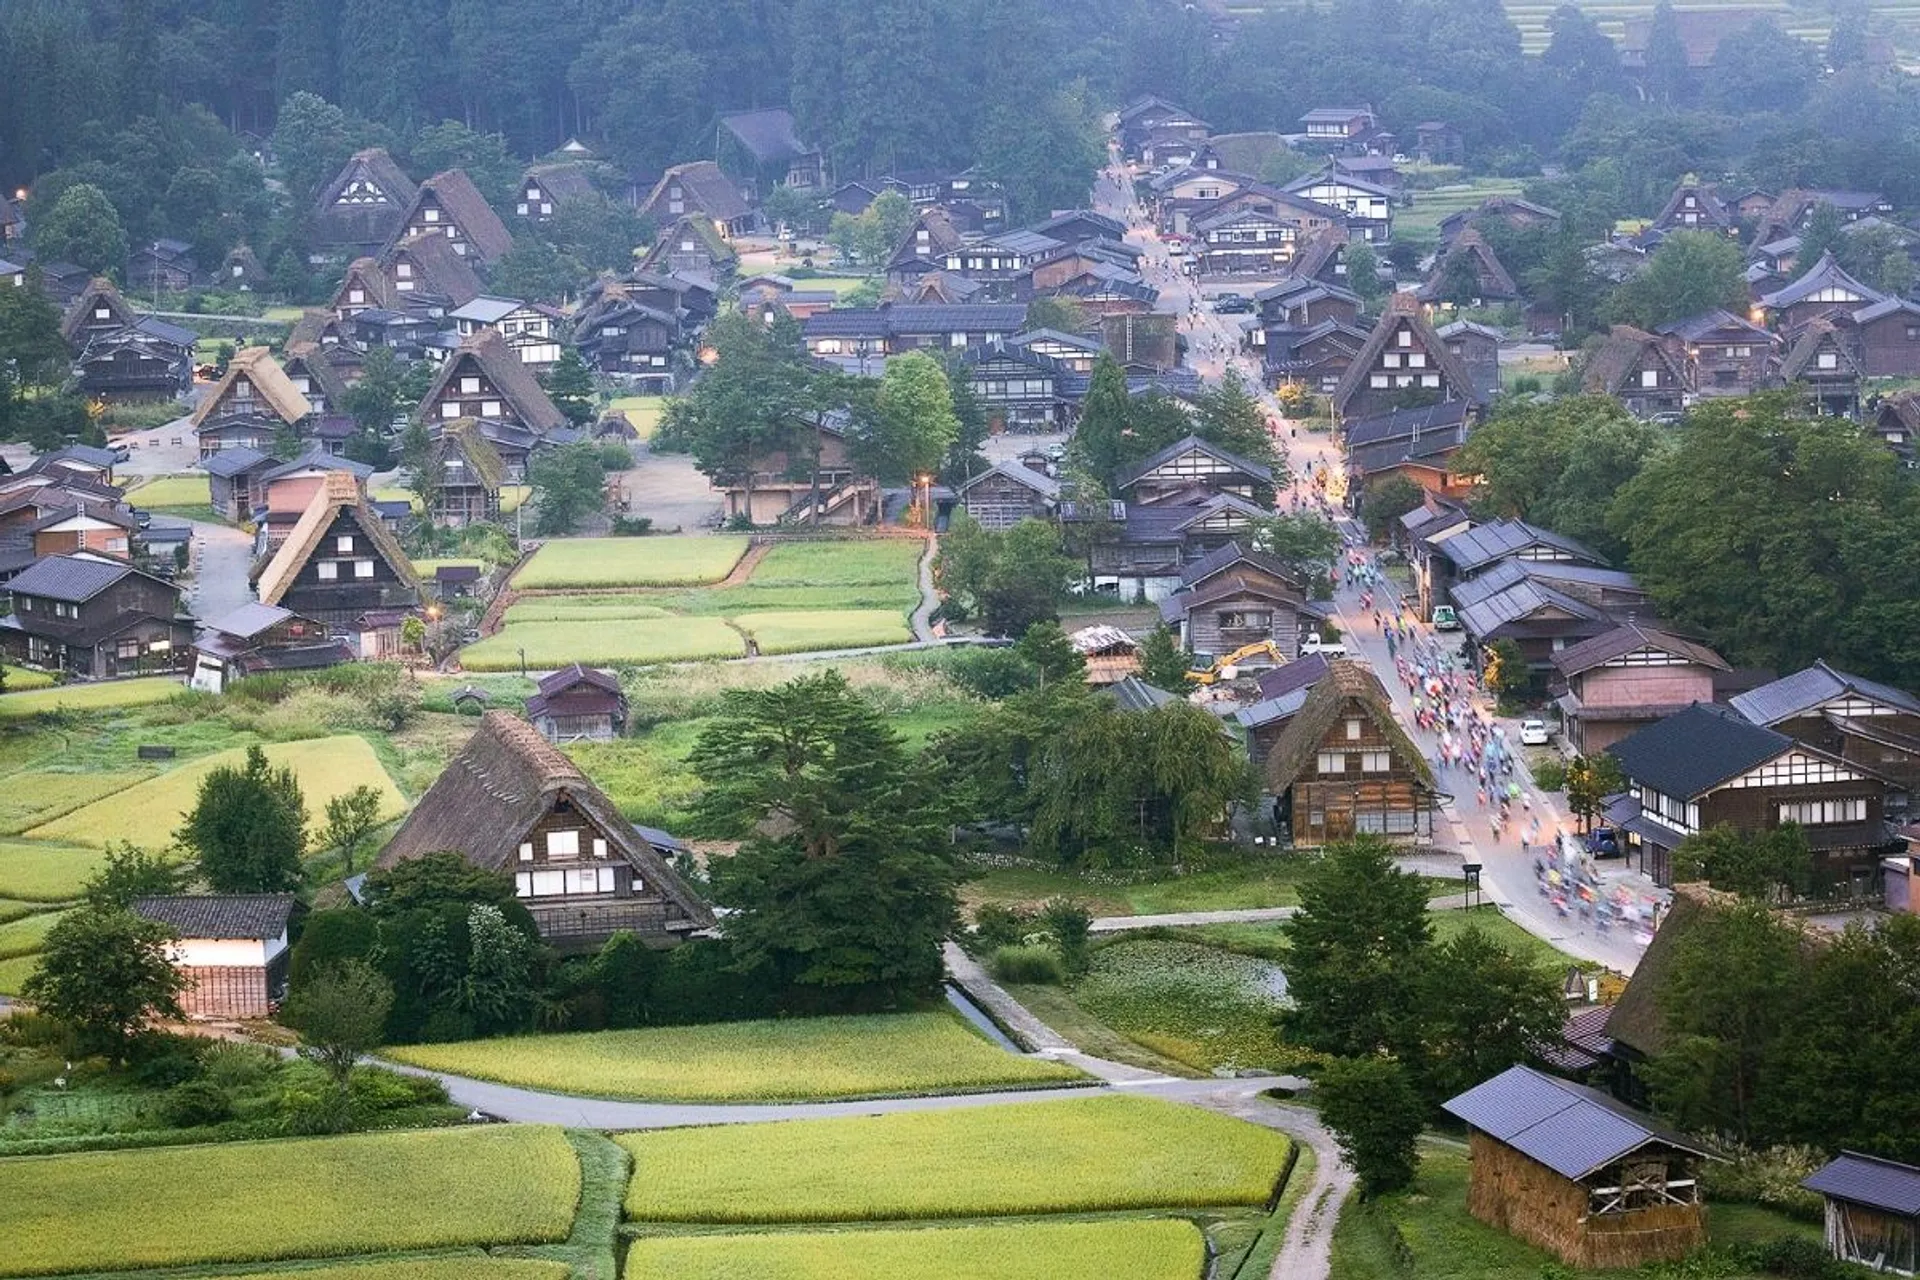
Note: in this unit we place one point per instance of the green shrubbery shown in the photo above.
(1028, 963)
(1768, 1176)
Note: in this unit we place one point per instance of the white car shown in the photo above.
(1533, 733)
(1326, 648)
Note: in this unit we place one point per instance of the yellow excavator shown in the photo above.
(1224, 667)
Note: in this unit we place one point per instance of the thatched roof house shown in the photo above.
(511, 802)
(1344, 766)
(340, 561)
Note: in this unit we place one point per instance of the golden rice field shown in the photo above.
(783, 1060)
(148, 812)
(601, 608)
(26, 936)
(844, 563)
(46, 872)
(302, 1198)
(21, 679)
(1162, 1249)
(86, 697)
(41, 795)
(15, 972)
(463, 1267)
(1067, 1156)
(631, 562)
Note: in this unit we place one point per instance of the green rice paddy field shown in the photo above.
(620, 601)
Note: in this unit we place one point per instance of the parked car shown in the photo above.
(1534, 733)
(1604, 842)
(1445, 619)
(1232, 304)
(1316, 643)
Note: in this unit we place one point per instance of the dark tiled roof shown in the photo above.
(1135, 694)
(1696, 327)
(1430, 449)
(1630, 638)
(73, 579)
(1824, 274)
(1695, 750)
(318, 457)
(1583, 1040)
(1178, 447)
(1223, 558)
(220, 915)
(1404, 424)
(1567, 1127)
(1803, 691)
(1006, 318)
(1044, 485)
(231, 462)
(1299, 674)
(1869, 1180)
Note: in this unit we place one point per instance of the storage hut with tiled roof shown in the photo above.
(231, 947)
(511, 802)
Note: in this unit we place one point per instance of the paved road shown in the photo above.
(222, 555)
(1507, 867)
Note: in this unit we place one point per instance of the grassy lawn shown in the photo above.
(1118, 1152)
(254, 1201)
(775, 1061)
(45, 872)
(1430, 208)
(1147, 1249)
(42, 795)
(170, 491)
(83, 697)
(1205, 1008)
(631, 562)
(148, 812)
(804, 630)
(644, 412)
(647, 777)
(1448, 1243)
(609, 642)
(1447, 924)
(21, 679)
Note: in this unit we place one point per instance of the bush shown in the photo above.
(1798, 1258)
(992, 673)
(1550, 775)
(232, 1066)
(997, 925)
(1768, 1176)
(1069, 922)
(632, 526)
(196, 1103)
(1030, 964)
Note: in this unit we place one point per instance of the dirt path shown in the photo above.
(922, 619)
(747, 564)
(1307, 1253)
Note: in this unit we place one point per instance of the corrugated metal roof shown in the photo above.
(1570, 1128)
(1869, 1180)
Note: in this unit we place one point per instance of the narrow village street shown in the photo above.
(1508, 875)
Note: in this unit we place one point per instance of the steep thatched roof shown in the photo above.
(338, 490)
(455, 193)
(1347, 687)
(1403, 308)
(461, 439)
(504, 781)
(437, 270)
(488, 354)
(99, 292)
(1635, 1021)
(270, 384)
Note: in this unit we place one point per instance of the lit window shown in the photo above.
(432, 215)
(450, 409)
(1376, 762)
(1649, 377)
(469, 386)
(1353, 731)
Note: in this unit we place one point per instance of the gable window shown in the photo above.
(1333, 762)
(563, 844)
(356, 295)
(469, 386)
(450, 408)
(344, 544)
(363, 568)
(1404, 338)
(1353, 730)
(1376, 762)
(490, 408)
(1416, 360)
(329, 570)
(1828, 360)
(1378, 380)
(526, 851)
(431, 215)
(1649, 377)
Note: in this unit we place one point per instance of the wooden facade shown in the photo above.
(1643, 676)
(812, 482)
(95, 619)
(1573, 1219)
(1005, 495)
(1343, 767)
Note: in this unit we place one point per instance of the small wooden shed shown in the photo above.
(1873, 1211)
(1579, 1174)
